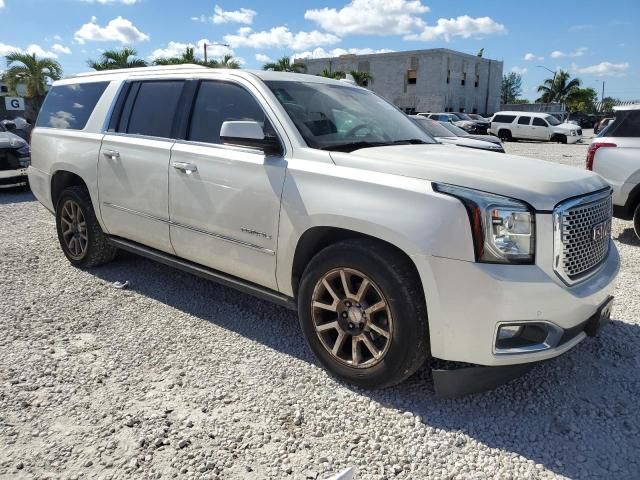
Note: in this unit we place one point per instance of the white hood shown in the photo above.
(469, 142)
(540, 183)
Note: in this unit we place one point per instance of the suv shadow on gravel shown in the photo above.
(15, 195)
(561, 415)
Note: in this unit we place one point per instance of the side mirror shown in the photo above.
(248, 133)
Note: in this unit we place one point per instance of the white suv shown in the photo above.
(324, 198)
(615, 155)
(533, 126)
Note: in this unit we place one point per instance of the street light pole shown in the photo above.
(555, 72)
(211, 45)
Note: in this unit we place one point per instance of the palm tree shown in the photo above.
(558, 89)
(228, 62)
(34, 73)
(114, 59)
(335, 75)
(189, 56)
(284, 65)
(361, 78)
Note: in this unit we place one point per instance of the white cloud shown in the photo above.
(280, 37)
(244, 15)
(117, 30)
(603, 69)
(336, 52)
(529, 57)
(519, 71)
(261, 57)
(6, 49)
(578, 53)
(1, 3)
(61, 49)
(463, 26)
(57, 38)
(371, 17)
(175, 49)
(105, 2)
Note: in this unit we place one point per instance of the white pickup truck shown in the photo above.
(323, 197)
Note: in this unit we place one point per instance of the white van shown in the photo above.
(533, 126)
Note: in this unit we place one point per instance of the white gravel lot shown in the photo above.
(180, 377)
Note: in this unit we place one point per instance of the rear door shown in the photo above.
(225, 200)
(134, 162)
(523, 127)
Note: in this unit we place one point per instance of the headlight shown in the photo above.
(503, 229)
(24, 150)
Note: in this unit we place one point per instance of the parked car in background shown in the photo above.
(533, 126)
(602, 124)
(458, 132)
(15, 157)
(20, 127)
(443, 135)
(392, 248)
(615, 155)
(468, 126)
(483, 123)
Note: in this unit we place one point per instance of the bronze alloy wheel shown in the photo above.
(352, 318)
(74, 229)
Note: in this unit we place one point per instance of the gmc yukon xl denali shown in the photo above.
(323, 197)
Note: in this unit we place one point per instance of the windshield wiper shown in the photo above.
(351, 146)
(411, 141)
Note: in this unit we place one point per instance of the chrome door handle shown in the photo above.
(111, 154)
(188, 168)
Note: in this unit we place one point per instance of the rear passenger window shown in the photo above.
(150, 108)
(70, 106)
(539, 122)
(626, 124)
(218, 102)
(504, 118)
(524, 120)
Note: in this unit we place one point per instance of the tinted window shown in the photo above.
(504, 118)
(524, 120)
(70, 106)
(626, 124)
(539, 122)
(218, 102)
(153, 109)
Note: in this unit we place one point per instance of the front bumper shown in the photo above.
(467, 301)
(573, 139)
(13, 177)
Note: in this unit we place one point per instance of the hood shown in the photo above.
(540, 183)
(486, 138)
(10, 140)
(568, 126)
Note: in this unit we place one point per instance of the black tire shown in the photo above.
(505, 135)
(395, 276)
(636, 221)
(98, 250)
(561, 139)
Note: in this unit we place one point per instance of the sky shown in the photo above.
(596, 41)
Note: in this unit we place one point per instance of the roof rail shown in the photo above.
(155, 69)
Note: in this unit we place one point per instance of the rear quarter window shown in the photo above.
(626, 124)
(504, 118)
(70, 106)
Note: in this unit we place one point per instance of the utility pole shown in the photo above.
(603, 90)
(211, 45)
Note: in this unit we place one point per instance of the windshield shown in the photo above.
(552, 120)
(464, 116)
(433, 128)
(456, 131)
(344, 118)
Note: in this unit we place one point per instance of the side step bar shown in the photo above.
(204, 272)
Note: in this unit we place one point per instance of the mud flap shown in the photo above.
(453, 380)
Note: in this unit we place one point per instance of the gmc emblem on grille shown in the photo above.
(601, 230)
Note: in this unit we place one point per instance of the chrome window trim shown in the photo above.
(223, 146)
(558, 250)
(192, 229)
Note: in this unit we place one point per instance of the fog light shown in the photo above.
(509, 331)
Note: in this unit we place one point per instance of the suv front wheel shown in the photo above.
(363, 314)
(81, 238)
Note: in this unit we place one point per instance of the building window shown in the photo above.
(477, 80)
(461, 109)
(412, 77)
(475, 110)
(3, 89)
(464, 79)
(448, 76)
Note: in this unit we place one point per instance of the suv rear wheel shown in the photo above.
(362, 311)
(81, 238)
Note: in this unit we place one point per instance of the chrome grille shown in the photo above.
(582, 233)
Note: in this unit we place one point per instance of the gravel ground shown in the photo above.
(180, 377)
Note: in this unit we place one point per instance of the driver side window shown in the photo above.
(539, 122)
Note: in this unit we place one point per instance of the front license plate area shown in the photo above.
(601, 318)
